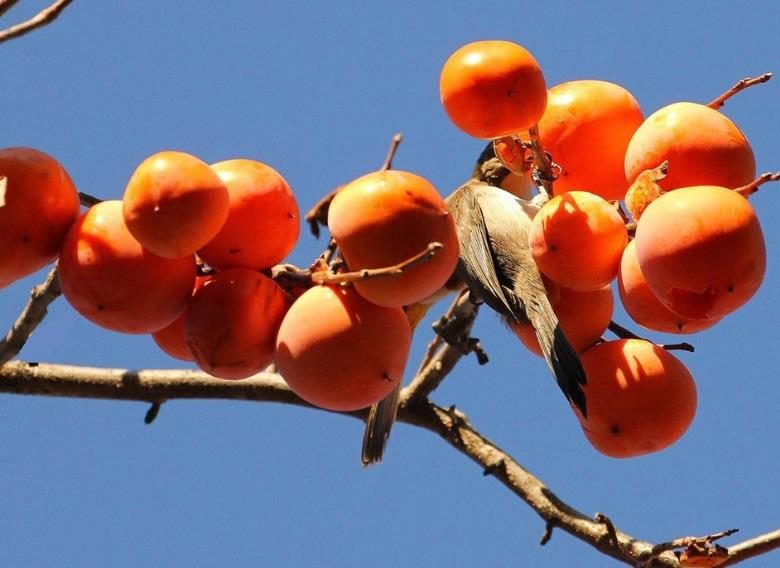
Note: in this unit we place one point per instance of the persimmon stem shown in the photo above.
(394, 143)
(544, 171)
(326, 277)
(624, 333)
(753, 186)
(739, 86)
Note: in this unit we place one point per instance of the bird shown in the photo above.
(496, 264)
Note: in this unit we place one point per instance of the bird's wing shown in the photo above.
(477, 262)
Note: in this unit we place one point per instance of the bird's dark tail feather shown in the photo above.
(563, 360)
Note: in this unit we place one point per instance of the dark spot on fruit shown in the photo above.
(615, 429)
(730, 288)
(101, 307)
(234, 250)
(553, 248)
(386, 376)
(25, 238)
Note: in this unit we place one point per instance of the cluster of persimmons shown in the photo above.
(187, 254)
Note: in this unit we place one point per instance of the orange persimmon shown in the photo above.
(338, 351)
(702, 146)
(577, 239)
(171, 338)
(586, 128)
(231, 323)
(174, 204)
(641, 398)
(111, 280)
(701, 250)
(387, 217)
(493, 88)
(38, 204)
(642, 305)
(263, 223)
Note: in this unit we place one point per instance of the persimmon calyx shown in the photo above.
(645, 190)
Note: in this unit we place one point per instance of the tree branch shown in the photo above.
(42, 18)
(157, 386)
(32, 315)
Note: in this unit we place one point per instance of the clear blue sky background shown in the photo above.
(317, 90)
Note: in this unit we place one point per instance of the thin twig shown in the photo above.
(326, 277)
(318, 215)
(88, 200)
(394, 143)
(544, 170)
(753, 547)
(42, 18)
(32, 315)
(624, 333)
(6, 5)
(740, 85)
(753, 186)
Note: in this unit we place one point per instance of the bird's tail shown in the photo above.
(381, 416)
(563, 360)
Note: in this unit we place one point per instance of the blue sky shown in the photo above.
(316, 90)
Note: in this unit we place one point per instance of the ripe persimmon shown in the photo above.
(586, 128)
(702, 146)
(111, 280)
(701, 250)
(387, 217)
(38, 204)
(642, 305)
(577, 239)
(263, 223)
(338, 351)
(231, 323)
(174, 204)
(583, 316)
(491, 89)
(641, 398)
(171, 338)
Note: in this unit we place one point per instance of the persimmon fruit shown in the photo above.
(171, 338)
(338, 351)
(577, 239)
(701, 250)
(387, 217)
(110, 279)
(583, 316)
(586, 128)
(174, 204)
(641, 398)
(38, 204)
(493, 88)
(263, 222)
(642, 305)
(231, 323)
(702, 146)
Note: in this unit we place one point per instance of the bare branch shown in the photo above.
(625, 333)
(753, 186)
(753, 547)
(32, 315)
(326, 277)
(6, 5)
(42, 18)
(741, 85)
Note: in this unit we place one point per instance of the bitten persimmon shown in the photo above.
(583, 316)
(641, 398)
(171, 338)
(586, 128)
(493, 88)
(174, 204)
(701, 250)
(231, 323)
(111, 280)
(387, 217)
(263, 223)
(644, 307)
(38, 204)
(577, 239)
(702, 146)
(338, 351)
